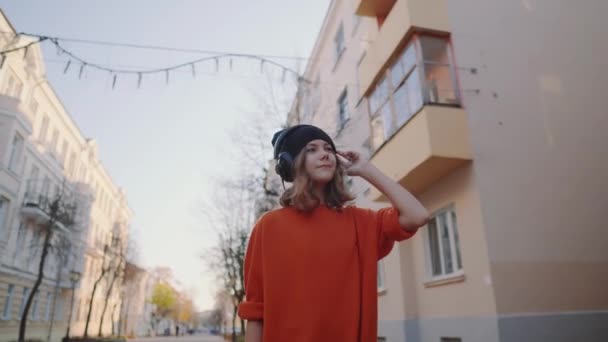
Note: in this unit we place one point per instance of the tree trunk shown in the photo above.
(30, 299)
(124, 321)
(105, 304)
(86, 325)
(234, 311)
(113, 315)
(55, 293)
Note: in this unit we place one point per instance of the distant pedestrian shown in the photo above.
(310, 267)
(177, 330)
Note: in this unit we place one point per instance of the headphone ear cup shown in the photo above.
(284, 167)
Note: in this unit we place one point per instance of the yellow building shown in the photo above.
(42, 153)
(491, 113)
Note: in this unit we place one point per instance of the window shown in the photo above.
(356, 22)
(54, 147)
(44, 128)
(3, 213)
(34, 312)
(8, 304)
(343, 115)
(26, 293)
(443, 245)
(33, 107)
(20, 240)
(71, 164)
(35, 247)
(46, 186)
(9, 86)
(32, 182)
(421, 74)
(358, 85)
(64, 151)
(83, 174)
(78, 309)
(18, 89)
(59, 310)
(439, 85)
(14, 87)
(49, 305)
(16, 151)
(339, 45)
(381, 278)
(316, 94)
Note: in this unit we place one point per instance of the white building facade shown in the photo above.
(43, 154)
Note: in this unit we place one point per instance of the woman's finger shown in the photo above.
(343, 159)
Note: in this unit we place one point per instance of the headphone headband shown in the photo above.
(282, 138)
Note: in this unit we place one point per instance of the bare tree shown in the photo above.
(242, 199)
(113, 314)
(108, 259)
(216, 317)
(232, 218)
(116, 273)
(126, 283)
(64, 252)
(61, 211)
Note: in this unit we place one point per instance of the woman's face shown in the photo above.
(320, 161)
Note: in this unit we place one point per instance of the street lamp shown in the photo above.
(74, 278)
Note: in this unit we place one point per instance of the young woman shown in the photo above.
(310, 267)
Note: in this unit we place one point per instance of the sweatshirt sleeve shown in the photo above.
(388, 230)
(252, 308)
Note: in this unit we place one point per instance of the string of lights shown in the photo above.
(191, 65)
(353, 62)
(185, 67)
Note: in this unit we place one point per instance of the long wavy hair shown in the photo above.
(301, 195)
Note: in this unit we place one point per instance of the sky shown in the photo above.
(167, 143)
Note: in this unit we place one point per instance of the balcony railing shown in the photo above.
(42, 203)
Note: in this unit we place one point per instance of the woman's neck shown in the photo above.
(319, 191)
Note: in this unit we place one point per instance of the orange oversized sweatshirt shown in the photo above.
(312, 277)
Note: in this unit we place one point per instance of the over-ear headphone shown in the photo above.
(284, 160)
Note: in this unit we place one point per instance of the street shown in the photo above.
(195, 338)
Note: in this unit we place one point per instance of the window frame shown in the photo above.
(33, 106)
(34, 314)
(26, 294)
(63, 153)
(454, 242)
(356, 20)
(54, 143)
(7, 309)
(20, 242)
(343, 112)
(47, 309)
(451, 65)
(4, 203)
(339, 48)
(44, 129)
(391, 87)
(16, 153)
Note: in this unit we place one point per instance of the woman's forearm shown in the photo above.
(412, 214)
(254, 331)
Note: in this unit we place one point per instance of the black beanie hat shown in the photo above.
(297, 138)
